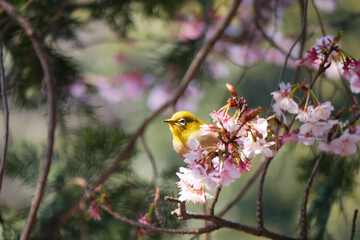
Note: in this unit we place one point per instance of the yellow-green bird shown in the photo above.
(185, 126)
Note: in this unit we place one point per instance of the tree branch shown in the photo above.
(353, 225)
(259, 212)
(217, 223)
(214, 201)
(6, 115)
(50, 82)
(303, 225)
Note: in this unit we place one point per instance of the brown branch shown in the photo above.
(319, 18)
(54, 19)
(302, 42)
(303, 225)
(190, 73)
(209, 228)
(7, 27)
(247, 186)
(6, 115)
(214, 201)
(259, 212)
(156, 206)
(217, 223)
(353, 224)
(50, 81)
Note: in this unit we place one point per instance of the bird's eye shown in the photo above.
(182, 122)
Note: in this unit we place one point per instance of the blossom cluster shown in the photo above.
(323, 49)
(218, 165)
(330, 133)
(316, 124)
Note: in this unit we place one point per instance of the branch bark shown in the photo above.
(259, 212)
(303, 224)
(40, 50)
(6, 115)
(353, 224)
(216, 224)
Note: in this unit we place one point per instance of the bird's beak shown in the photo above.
(170, 121)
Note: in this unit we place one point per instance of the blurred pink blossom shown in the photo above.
(162, 93)
(327, 6)
(244, 55)
(78, 89)
(220, 70)
(191, 29)
(125, 86)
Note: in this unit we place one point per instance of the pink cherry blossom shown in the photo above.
(226, 171)
(324, 44)
(306, 114)
(322, 111)
(284, 100)
(345, 145)
(354, 80)
(279, 112)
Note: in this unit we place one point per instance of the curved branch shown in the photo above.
(50, 82)
(6, 115)
(303, 231)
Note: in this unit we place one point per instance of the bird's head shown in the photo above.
(183, 124)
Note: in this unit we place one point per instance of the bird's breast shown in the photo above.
(206, 139)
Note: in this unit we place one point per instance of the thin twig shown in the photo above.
(156, 205)
(56, 16)
(303, 225)
(319, 18)
(153, 166)
(257, 17)
(50, 81)
(151, 158)
(303, 28)
(353, 224)
(214, 201)
(302, 42)
(259, 212)
(6, 115)
(244, 190)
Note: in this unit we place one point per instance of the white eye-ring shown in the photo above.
(182, 122)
